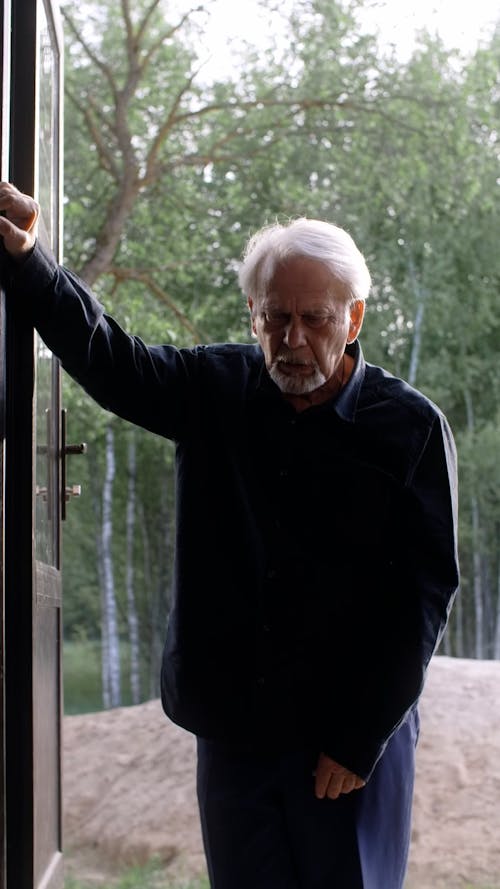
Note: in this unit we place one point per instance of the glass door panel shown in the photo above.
(47, 854)
(46, 463)
(33, 452)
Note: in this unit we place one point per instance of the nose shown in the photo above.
(295, 336)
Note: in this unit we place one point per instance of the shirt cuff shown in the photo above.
(36, 271)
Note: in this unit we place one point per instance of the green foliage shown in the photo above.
(405, 156)
(82, 675)
(153, 542)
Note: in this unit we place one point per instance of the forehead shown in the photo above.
(305, 279)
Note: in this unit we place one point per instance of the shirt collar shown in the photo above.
(346, 401)
(344, 404)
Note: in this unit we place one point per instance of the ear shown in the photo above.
(356, 315)
(250, 308)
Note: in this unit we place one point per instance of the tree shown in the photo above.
(132, 616)
(141, 120)
(167, 174)
(111, 649)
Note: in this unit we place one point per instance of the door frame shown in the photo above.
(5, 82)
(30, 588)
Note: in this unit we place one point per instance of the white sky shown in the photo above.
(460, 23)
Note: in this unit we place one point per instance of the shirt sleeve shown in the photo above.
(409, 626)
(147, 385)
(432, 530)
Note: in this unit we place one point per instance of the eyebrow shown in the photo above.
(272, 300)
(318, 310)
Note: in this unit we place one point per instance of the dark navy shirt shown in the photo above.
(315, 551)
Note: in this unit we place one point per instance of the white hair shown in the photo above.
(312, 238)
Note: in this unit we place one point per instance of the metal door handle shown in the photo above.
(68, 491)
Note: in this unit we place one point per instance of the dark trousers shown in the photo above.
(263, 828)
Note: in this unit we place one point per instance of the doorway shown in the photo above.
(31, 480)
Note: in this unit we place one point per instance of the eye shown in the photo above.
(315, 321)
(275, 319)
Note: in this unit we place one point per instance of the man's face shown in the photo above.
(303, 324)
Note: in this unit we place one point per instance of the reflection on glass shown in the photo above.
(47, 405)
(47, 126)
(46, 502)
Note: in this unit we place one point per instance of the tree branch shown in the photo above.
(165, 129)
(125, 274)
(106, 156)
(292, 103)
(128, 24)
(106, 70)
(174, 28)
(147, 18)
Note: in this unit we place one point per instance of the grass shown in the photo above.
(152, 876)
(149, 876)
(82, 676)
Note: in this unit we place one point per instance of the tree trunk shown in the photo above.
(476, 575)
(110, 621)
(148, 581)
(97, 508)
(156, 551)
(476, 548)
(446, 642)
(420, 295)
(459, 627)
(496, 640)
(108, 238)
(160, 604)
(132, 617)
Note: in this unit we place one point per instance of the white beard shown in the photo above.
(296, 385)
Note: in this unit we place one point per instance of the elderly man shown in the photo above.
(315, 552)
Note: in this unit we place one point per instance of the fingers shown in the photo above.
(17, 241)
(332, 779)
(20, 208)
(336, 785)
(18, 221)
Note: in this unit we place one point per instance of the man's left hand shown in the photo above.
(332, 779)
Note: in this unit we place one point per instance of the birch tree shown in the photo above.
(111, 648)
(132, 616)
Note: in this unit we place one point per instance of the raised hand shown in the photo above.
(18, 222)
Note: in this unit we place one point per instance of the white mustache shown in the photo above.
(289, 359)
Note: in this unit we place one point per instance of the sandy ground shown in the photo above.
(130, 792)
